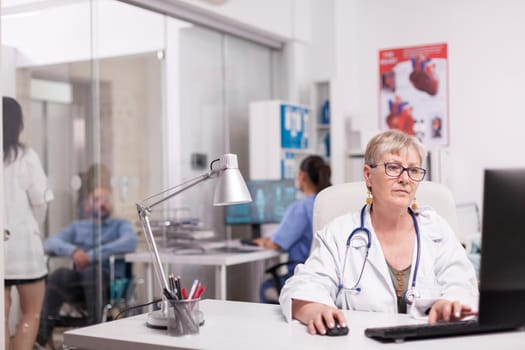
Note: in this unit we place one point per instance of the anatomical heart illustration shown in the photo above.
(413, 92)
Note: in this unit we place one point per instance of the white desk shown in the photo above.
(221, 260)
(239, 325)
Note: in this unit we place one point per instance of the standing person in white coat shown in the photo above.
(389, 257)
(25, 196)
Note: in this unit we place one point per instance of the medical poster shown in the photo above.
(413, 93)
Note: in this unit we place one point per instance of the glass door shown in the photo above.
(132, 100)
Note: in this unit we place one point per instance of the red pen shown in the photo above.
(184, 293)
(199, 292)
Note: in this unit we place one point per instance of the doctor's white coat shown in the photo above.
(444, 269)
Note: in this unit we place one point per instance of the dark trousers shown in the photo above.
(66, 285)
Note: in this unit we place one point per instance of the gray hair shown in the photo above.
(392, 141)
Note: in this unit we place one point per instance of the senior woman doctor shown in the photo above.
(399, 259)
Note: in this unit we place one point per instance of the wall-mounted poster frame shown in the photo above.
(413, 92)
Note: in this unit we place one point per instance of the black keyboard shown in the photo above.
(437, 330)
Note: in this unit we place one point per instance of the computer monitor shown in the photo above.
(270, 200)
(502, 275)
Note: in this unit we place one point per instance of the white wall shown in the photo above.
(322, 45)
(485, 79)
(8, 74)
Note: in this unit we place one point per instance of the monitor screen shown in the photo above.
(502, 275)
(503, 209)
(270, 200)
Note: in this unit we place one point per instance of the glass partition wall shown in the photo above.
(121, 97)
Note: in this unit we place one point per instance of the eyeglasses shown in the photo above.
(395, 170)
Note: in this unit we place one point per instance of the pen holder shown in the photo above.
(183, 317)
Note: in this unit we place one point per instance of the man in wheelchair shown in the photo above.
(84, 241)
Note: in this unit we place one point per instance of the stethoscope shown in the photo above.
(411, 294)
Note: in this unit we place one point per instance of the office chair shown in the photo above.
(470, 225)
(340, 199)
(278, 271)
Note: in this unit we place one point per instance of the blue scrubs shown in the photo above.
(294, 236)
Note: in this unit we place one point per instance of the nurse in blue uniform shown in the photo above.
(294, 234)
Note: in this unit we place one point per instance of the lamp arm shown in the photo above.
(146, 227)
(216, 166)
(188, 185)
(144, 212)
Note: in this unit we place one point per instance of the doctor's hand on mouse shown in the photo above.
(319, 318)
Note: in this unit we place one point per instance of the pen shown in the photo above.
(169, 295)
(177, 285)
(171, 279)
(200, 292)
(184, 293)
(193, 289)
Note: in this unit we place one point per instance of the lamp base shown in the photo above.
(157, 319)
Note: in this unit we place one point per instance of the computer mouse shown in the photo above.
(337, 330)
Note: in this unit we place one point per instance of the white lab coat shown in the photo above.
(444, 269)
(25, 187)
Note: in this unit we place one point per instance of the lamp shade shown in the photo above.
(231, 188)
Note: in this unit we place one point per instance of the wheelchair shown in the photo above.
(121, 296)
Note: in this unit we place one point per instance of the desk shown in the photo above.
(239, 325)
(221, 260)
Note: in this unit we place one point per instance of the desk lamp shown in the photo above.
(230, 189)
